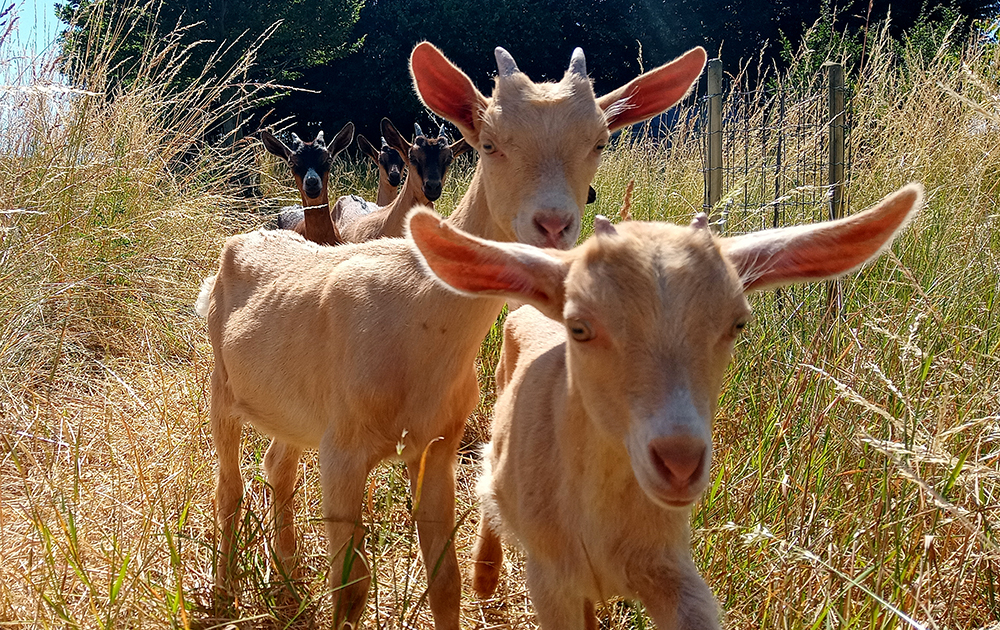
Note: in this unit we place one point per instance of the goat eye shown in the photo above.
(580, 329)
(600, 146)
(738, 327)
(489, 147)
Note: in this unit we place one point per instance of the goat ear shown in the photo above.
(275, 146)
(395, 139)
(475, 266)
(824, 250)
(367, 148)
(446, 90)
(459, 147)
(342, 140)
(653, 92)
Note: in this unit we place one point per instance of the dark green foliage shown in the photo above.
(620, 37)
(356, 59)
(843, 36)
(306, 33)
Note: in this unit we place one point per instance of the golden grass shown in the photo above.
(857, 462)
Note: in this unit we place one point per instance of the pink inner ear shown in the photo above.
(654, 92)
(443, 87)
(826, 250)
(468, 265)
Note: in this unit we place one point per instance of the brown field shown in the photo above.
(857, 468)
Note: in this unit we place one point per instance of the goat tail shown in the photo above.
(204, 296)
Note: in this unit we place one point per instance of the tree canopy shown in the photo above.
(301, 34)
(354, 60)
(619, 37)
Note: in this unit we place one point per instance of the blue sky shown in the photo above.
(37, 25)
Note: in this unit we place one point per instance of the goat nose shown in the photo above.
(680, 460)
(551, 226)
(432, 190)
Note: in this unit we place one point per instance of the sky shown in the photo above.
(37, 24)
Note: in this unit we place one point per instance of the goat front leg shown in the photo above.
(226, 430)
(343, 472)
(556, 604)
(434, 513)
(281, 466)
(677, 598)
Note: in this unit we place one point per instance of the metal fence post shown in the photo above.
(835, 72)
(713, 179)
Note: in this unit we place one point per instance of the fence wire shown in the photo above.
(776, 166)
(775, 156)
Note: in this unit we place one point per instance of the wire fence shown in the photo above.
(776, 154)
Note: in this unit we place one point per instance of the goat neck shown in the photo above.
(317, 226)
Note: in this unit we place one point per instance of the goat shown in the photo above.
(427, 161)
(310, 164)
(390, 169)
(607, 385)
(380, 360)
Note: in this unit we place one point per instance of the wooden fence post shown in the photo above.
(713, 178)
(837, 122)
(835, 73)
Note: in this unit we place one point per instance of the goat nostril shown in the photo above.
(552, 226)
(680, 460)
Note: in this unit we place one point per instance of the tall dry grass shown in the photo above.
(856, 473)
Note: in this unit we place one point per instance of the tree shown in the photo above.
(301, 33)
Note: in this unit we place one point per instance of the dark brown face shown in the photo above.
(392, 162)
(430, 159)
(310, 163)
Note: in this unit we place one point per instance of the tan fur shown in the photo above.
(602, 444)
(354, 349)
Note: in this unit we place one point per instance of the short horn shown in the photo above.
(319, 138)
(385, 145)
(296, 142)
(506, 65)
(700, 221)
(603, 227)
(578, 63)
(416, 130)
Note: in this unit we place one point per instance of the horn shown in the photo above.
(700, 221)
(319, 138)
(506, 65)
(603, 227)
(296, 142)
(443, 133)
(416, 130)
(578, 63)
(385, 145)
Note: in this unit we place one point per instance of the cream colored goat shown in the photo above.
(354, 349)
(608, 384)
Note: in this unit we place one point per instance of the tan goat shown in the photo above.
(354, 350)
(608, 384)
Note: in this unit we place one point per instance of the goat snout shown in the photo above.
(312, 184)
(432, 190)
(552, 227)
(394, 175)
(680, 462)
